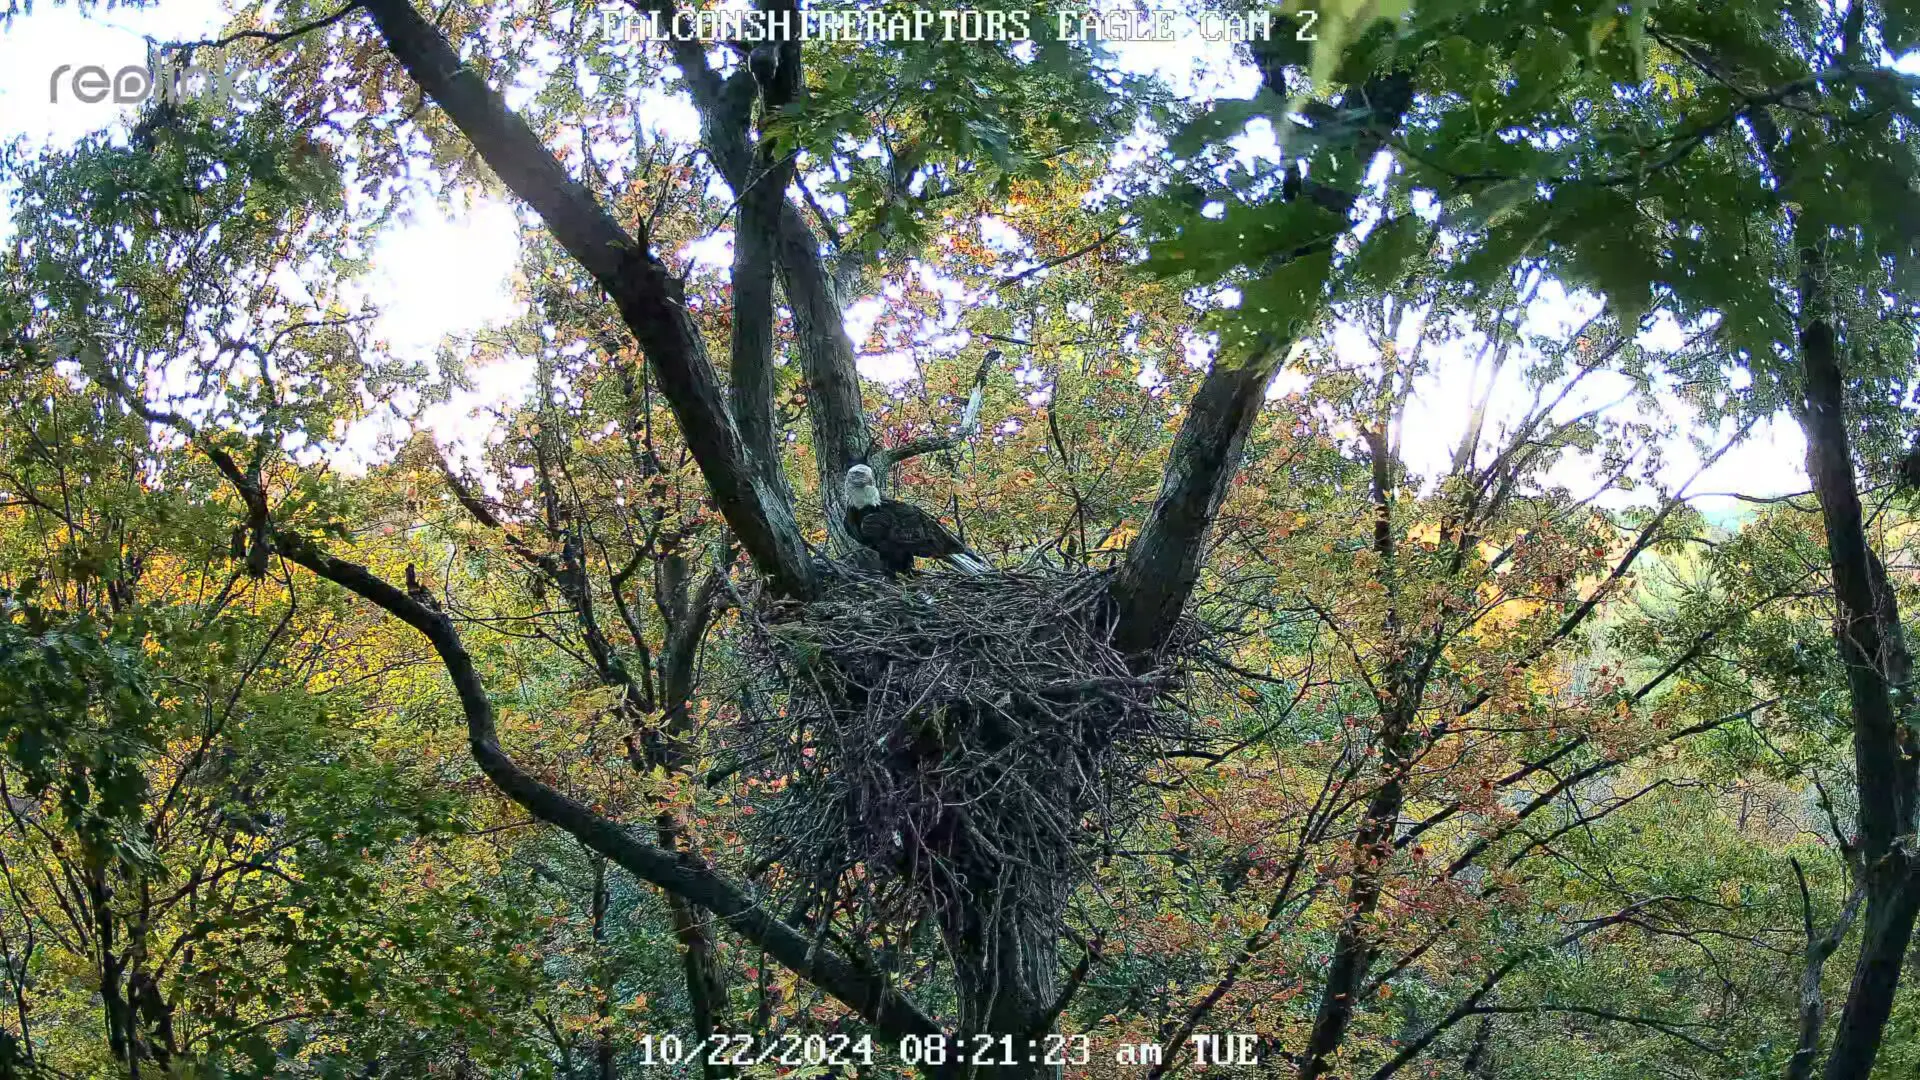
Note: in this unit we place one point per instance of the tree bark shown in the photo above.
(759, 180)
(841, 438)
(687, 615)
(752, 382)
(1163, 562)
(1373, 843)
(867, 994)
(1881, 746)
(1006, 972)
(603, 975)
(650, 301)
(1813, 1007)
(1883, 752)
(1892, 908)
(1866, 628)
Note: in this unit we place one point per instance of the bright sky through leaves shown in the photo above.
(444, 271)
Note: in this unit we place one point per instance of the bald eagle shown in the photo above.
(899, 532)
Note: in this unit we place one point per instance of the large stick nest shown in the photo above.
(946, 736)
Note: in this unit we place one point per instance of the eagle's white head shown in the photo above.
(861, 490)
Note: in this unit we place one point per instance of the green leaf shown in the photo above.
(1599, 30)
(1616, 263)
(259, 1052)
(1492, 205)
(1341, 22)
(1900, 25)
(1538, 72)
(1222, 120)
(1383, 255)
(1283, 302)
(1242, 236)
(1504, 244)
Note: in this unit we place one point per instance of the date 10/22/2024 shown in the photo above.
(985, 1051)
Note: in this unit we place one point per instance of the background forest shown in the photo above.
(1364, 669)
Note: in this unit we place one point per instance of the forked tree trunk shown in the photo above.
(1006, 968)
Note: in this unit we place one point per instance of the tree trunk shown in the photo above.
(1478, 1061)
(762, 195)
(1893, 902)
(1373, 843)
(835, 410)
(603, 980)
(651, 302)
(122, 1038)
(1865, 634)
(1813, 1006)
(1353, 951)
(706, 990)
(840, 436)
(1163, 563)
(1006, 976)
(687, 614)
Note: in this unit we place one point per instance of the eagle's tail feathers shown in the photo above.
(968, 563)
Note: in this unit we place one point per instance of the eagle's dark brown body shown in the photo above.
(901, 532)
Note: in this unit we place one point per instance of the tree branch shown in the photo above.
(1470, 1005)
(1163, 562)
(761, 202)
(884, 460)
(1482, 843)
(834, 407)
(1096, 244)
(270, 37)
(1866, 633)
(1813, 1006)
(647, 296)
(680, 874)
